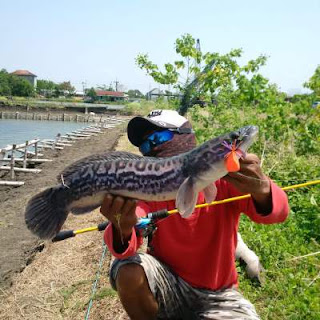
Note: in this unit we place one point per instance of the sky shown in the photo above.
(96, 42)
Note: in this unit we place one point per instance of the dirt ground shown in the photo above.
(44, 280)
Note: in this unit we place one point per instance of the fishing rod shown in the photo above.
(144, 225)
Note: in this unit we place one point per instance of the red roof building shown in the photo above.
(110, 95)
(23, 73)
(27, 75)
(102, 93)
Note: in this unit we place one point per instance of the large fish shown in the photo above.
(83, 185)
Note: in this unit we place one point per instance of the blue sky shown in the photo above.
(97, 41)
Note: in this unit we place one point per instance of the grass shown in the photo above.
(289, 142)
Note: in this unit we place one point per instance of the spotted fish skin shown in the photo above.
(84, 184)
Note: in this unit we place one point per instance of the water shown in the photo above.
(19, 131)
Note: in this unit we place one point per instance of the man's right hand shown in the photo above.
(121, 212)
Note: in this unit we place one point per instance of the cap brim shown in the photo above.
(138, 127)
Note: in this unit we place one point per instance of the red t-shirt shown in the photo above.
(201, 248)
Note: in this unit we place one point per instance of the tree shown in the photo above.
(20, 87)
(46, 87)
(5, 88)
(91, 93)
(66, 87)
(314, 82)
(135, 94)
(14, 85)
(221, 79)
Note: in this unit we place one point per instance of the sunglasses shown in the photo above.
(155, 139)
(159, 137)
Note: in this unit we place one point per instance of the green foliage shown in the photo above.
(43, 85)
(235, 95)
(314, 83)
(5, 89)
(289, 144)
(222, 79)
(135, 94)
(92, 94)
(11, 85)
(50, 89)
(66, 87)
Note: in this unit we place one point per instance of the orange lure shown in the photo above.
(231, 159)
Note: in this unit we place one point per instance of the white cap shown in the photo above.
(139, 126)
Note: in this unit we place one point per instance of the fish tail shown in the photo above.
(46, 212)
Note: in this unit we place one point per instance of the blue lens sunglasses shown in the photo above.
(159, 137)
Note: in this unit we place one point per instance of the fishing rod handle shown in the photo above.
(62, 235)
(158, 214)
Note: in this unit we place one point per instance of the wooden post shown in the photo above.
(63, 117)
(33, 116)
(1, 115)
(36, 150)
(2, 155)
(25, 155)
(48, 118)
(17, 115)
(12, 162)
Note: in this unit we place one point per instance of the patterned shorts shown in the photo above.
(178, 300)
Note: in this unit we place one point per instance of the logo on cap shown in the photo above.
(154, 113)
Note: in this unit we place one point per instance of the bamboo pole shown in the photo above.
(12, 162)
(11, 183)
(4, 160)
(13, 169)
(25, 155)
(36, 150)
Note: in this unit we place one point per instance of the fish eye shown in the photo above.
(234, 136)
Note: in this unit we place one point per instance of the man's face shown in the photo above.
(152, 140)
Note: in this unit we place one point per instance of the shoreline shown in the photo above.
(18, 245)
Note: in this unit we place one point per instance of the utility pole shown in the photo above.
(84, 84)
(198, 48)
(116, 82)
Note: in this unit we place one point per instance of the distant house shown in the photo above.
(79, 94)
(156, 93)
(111, 95)
(25, 74)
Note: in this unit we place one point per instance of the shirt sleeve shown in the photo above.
(280, 206)
(135, 241)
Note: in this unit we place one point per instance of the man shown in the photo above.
(190, 271)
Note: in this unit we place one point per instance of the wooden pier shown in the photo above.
(30, 151)
(49, 116)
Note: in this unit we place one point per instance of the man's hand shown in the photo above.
(121, 212)
(251, 179)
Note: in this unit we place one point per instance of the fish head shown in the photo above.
(240, 139)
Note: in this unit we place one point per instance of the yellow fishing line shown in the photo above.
(295, 186)
(86, 230)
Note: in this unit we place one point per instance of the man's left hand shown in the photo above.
(251, 179)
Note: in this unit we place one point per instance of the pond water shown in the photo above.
(19, 131)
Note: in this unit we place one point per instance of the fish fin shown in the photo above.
(186, 198)
(210, 192)
(46, 212)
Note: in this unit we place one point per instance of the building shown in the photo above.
(156, 93)
(25, 74)
(111, 95)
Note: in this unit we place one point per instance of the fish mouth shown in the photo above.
(244, 137)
